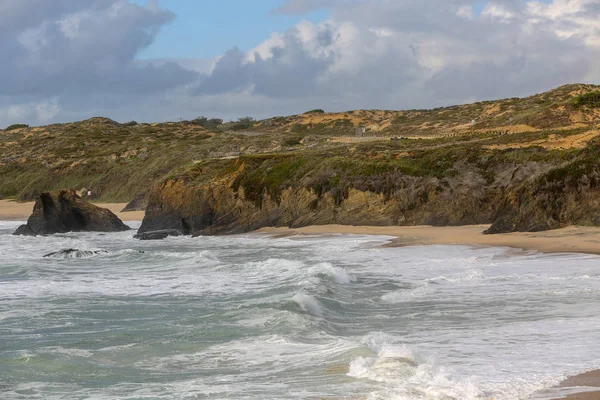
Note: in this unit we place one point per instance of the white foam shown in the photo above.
(340, 275)
(308, 304)
(406, 295)
(407, 375)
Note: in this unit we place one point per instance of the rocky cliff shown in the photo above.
(566, 195)
(441, 186)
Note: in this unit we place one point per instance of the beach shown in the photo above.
(567, 240)
(15, 211)
(572, 239)
(587, 380)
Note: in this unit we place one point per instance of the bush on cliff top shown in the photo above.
(16, 126)
(315, 111)
(591, 99)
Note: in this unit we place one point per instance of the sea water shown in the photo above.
(312, 317)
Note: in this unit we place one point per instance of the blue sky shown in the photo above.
(208, 28)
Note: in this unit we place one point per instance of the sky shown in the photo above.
(166, 60)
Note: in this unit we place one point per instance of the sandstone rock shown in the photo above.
(64, 211)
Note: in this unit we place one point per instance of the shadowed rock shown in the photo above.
(139, 203)
(64, 211)
(158, 235)
(74, 253)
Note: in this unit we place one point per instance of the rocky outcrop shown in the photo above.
(250, 193)
(567, 195)
(64, 211)
(74, 253)
(139, 203)
(158, 235)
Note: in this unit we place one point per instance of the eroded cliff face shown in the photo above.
(249, 193)
(566, 195)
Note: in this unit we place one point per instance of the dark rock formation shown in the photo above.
(252, 193)
(74, 253)
(139, 203)
(529, 189)
(563, 196)
(64, 211)
(158, 235)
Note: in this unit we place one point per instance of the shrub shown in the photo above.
(243, 123)
(315, 111)
(208, 123)
(130, 123)
(591, 99)
(292, 141)
(299, 128)
(17, 126)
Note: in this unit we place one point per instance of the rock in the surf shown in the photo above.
(64, 211)
(75, 253)
(158, 235)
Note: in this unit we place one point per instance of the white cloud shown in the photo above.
(498, 12)
(78, 58)
(43, 111)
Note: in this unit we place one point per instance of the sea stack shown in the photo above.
(64, 211)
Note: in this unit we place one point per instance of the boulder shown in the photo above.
(75, 253)
(158, 235)
(64, 211)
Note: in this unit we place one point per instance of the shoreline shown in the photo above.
(572, 239)
(585, 386)
(15, 211)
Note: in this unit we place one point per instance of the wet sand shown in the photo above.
(567, 240)
(14, 211)
(588, 380)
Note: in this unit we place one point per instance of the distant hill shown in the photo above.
(122, 162)
(554, 109)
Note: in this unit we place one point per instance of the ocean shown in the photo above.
(311, 317)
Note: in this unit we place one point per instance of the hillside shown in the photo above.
(412, 167)
(550, 110)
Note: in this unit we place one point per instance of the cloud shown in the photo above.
(77, 58)
(417, 53)
(55, 51)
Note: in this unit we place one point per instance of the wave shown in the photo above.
(404, 295)
(308, 304)
(339, 275)
(406, 374)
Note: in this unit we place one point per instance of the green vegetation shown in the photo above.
(16, 126)
(120, 161)
(591, 100)
(208, 123)
(242, 123)
(315, 111)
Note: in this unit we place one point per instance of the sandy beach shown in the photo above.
(14, 211)
(567, 240)
(587, 380)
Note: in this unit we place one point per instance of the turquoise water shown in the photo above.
(252, 317)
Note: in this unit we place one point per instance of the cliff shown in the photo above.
(566, 195)
(444, 186)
